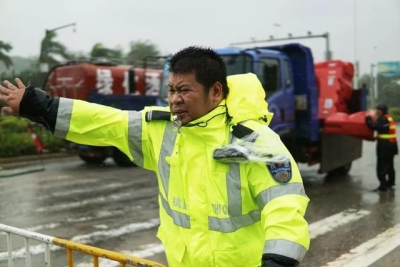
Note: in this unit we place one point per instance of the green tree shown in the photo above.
(79, 56)
(50, 48)
(390, 94)
(99, 52)
(29, 75)
(5, 48)
(141, 51)
(383, 80)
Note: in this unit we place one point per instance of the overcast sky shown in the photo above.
(366, 29)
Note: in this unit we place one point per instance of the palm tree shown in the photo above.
(50, 48)
(141, 51)
(99, 52)
(3, 57)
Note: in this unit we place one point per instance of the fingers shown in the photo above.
(4, 91)
(19, 83)
(7, 110)
(10, 85)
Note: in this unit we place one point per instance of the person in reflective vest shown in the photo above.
(386, 147)
(230, 193)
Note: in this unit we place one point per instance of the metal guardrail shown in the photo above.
(70, 246)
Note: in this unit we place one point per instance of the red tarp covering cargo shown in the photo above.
(334, 84)
(349, 124)
(78, 80)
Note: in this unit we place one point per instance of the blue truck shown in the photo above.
(299, 102)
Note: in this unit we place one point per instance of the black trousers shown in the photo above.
(385, 170)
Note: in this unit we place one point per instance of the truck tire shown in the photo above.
(92, 160)
(340, 171)
(121, 159)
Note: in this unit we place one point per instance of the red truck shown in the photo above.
(119, 86)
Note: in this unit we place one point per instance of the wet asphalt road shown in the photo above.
(116, 208)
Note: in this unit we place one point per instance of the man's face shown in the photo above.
(378, 112)
(187, 97)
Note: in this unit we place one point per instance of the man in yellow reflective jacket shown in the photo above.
(230, 194)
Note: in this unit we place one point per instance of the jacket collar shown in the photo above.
(216, 118)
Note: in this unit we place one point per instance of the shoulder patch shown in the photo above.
(281, 172)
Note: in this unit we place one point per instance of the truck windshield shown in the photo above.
(237, 63)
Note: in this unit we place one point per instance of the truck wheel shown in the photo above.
(342, 170)
(121, 159)
(92, 160)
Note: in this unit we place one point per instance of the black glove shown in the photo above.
(37, 106)
(274, 260)
(270, 263)
(368, 118)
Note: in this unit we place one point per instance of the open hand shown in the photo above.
(12, 95)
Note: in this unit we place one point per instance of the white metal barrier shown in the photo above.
(70, 246)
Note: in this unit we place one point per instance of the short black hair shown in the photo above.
(205, 63)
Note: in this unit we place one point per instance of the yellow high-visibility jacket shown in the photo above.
(211, 213)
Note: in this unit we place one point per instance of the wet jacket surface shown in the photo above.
(211, 213)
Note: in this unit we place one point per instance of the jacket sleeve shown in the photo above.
(87, 123)
(279, 192)
(381, 124)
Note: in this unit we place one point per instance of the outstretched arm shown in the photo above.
(74, 120)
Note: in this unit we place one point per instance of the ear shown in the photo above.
(216, 92)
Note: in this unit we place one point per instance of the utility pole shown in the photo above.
(356, 62)
(328, 52)
(372, 87)
(61, 27)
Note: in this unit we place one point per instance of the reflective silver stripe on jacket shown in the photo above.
(234, 192)
(167, 147)
(135, 136)
(237, 219)
(285, 248)
(264, 197)
(63, 121)
(228, 225)
(179, 218)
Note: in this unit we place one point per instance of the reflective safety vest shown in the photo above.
(211, 213)
(391, 135)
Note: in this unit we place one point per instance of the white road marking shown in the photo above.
(84, 190)
(96, 200)
(371, 251)
(101, 214)
(328, 224)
